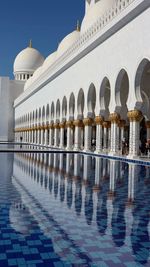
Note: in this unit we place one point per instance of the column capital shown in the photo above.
(114, 117)
(87, 121)
(147, 124)
(69, 124)
(78, 123)
(62, 125)
(99, 120)
(135, 115)
(106, 124)
(51, 125)
(56, 125)
(122, 123)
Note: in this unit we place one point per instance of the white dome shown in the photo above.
(67, 42)
(28, 60)
(95, 12)
(49, 60)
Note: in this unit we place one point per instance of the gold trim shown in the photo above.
(135, 115)
(88, 122)
(114, 117)
(106, 124)
(99, 120)
(78, 123)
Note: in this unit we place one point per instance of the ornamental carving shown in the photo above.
(99, 120)
(135, 115)
(62, 125)
(114, 117)
(88, 122)
(51, 126)
(122, 123)
(56, 126)
(78, 123)
(69, 124)
(106, 124)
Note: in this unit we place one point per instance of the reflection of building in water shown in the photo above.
(140, 233)
(132, 182)
(73, 204)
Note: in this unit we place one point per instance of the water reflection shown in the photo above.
(86, 196)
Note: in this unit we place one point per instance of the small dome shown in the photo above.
(67, 42)
(95, 12)
(49, 60)
(28, 60)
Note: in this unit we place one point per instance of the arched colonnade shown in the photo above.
(76, 123)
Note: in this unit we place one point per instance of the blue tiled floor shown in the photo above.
(63, 211)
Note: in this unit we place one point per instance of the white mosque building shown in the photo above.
(94, 88)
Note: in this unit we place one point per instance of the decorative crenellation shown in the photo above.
(114, 118)
(78, 123)
(135, 115)
(106, 124)
(99, 120)
(88, 122)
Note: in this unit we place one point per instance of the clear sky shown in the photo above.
(46, 22)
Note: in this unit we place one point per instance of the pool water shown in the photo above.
(72, 210)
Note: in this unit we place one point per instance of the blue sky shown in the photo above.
(46, 22)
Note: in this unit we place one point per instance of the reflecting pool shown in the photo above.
(72, 210)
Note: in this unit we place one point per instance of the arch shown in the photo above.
(91, 99)
(104, 97)
(80, 103)
(71, 105)
(142, 87)
(33, 117)
(39, 115)
(122, 93)
(43, 114)
(36, 116)
(52, 111)
(58, 109)
(64, 107)
(138, 78)
(47, 112)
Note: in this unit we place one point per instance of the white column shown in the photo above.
(35, 136)
(38, 137)
(51, 136)
(69, 135)
(46, 137)
(62, 125)
(135, 117)
(56, 135)
(87, 133)
(105, 135)
(78, 139)
(114, 118)
(99, 133)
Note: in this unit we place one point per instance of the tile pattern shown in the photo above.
(58, 221)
